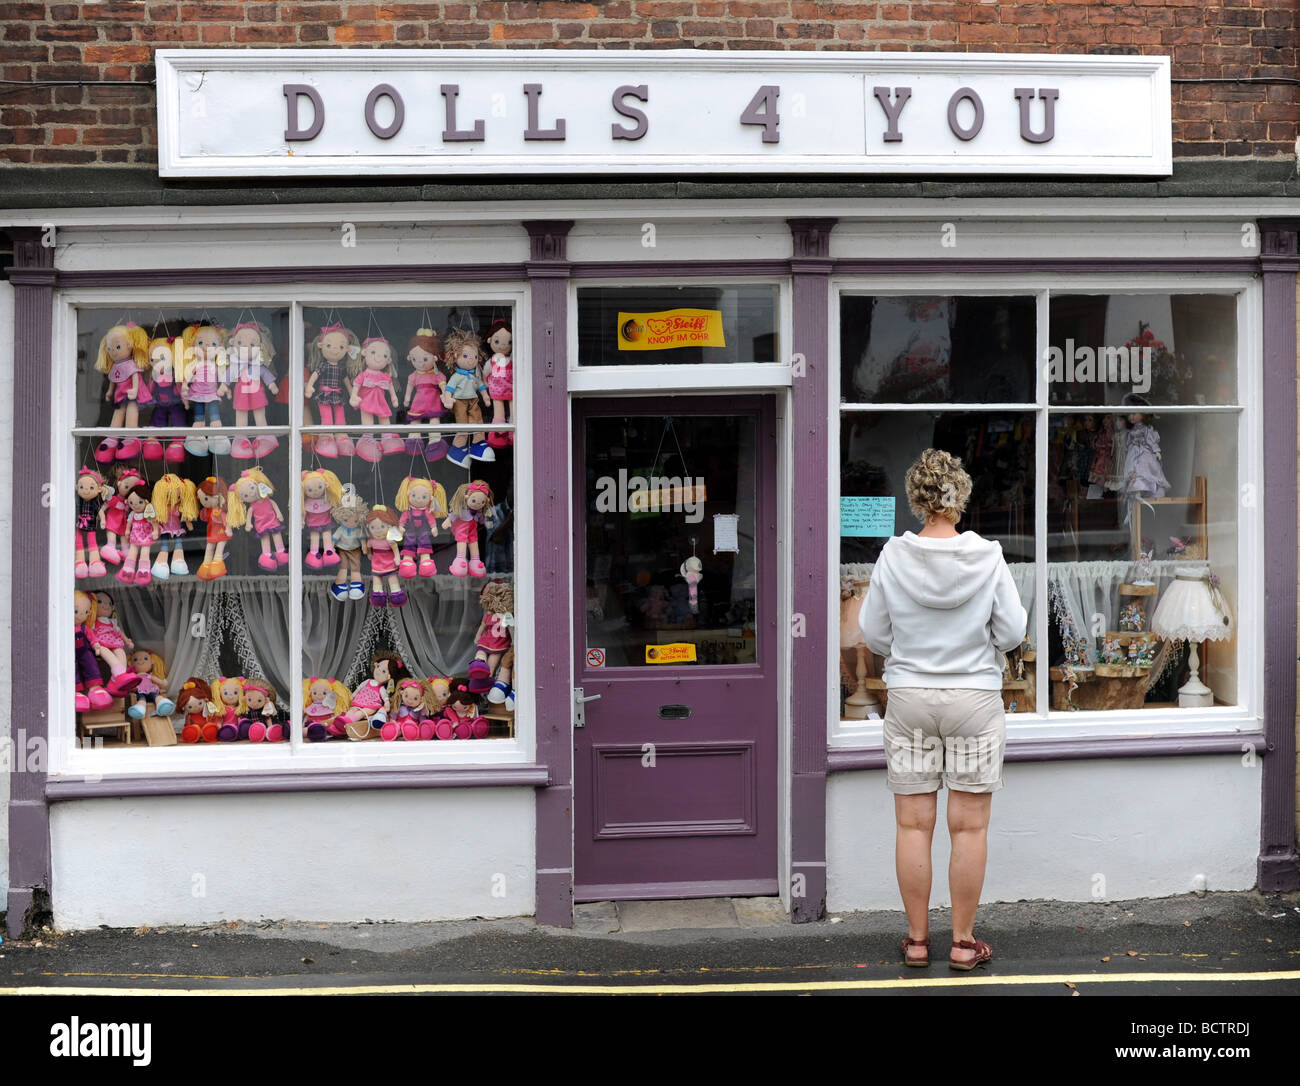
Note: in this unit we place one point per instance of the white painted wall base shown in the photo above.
(408, 855)
(1068, 831)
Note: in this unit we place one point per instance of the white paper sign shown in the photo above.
(726, 533)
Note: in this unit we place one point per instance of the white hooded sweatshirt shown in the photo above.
(941, 610)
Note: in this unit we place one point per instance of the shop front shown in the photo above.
(441, 559)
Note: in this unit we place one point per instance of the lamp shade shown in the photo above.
(1192, 609)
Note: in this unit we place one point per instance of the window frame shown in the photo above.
(1043, 722)
(68, 759)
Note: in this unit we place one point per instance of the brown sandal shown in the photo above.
(983, 953)
(918, 963)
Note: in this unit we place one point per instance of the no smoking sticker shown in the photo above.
(595, 657)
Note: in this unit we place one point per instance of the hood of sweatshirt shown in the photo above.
(943, 573)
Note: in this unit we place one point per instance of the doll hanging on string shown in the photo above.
(374, 393)
(250, 350)
(424, 392)
(203, 384)
(349, 516)
(421, 502)
(124, 358)
(466, 394)
(176, 506)
(91, 493)
(168, 405)
(383, 535)
(466, 513)
(112, 518)
(142, 532)
(501, 382)
(251, 506)
(329, 385)
(211, 495)
(321, 492)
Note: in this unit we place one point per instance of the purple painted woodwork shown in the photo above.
(705, 813)
(32, 277)
(811, 421)
(1279, 263)
(548, 273)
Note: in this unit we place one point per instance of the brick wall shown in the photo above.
(114, 42)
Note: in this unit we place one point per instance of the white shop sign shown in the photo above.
(275, 112)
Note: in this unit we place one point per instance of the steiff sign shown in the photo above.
(273, 112)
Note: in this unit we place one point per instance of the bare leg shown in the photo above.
(968, 825)
(916, 817)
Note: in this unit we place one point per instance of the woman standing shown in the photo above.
(941, 606)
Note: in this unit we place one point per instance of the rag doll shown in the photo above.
(373, 700)
(383, 534)
(460, 718)
(501, 382)
(349, 516)
(203, 384)
(439, 695)
(91, 490)
(152, 671)
(465, 515)
(410, 719)
(324, 700)
(211, 494)
(123, 357)
(424, 391)
(112, 517)
(329, 385)
(466, 393)
(252, 508)
(176, 505)
(228, 697)
(421, 502)
(90, 691)
(168, 407)
(493, 639)
(374, 391)
(195, 702)
(261, 720)
(250, 350)
(321, 492)
(142, 532)
(692, 572)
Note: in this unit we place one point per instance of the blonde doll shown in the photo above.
(321, 492)
(322, 701)
(411, 713)
(349, 516)
(466, 513)
(203, 383)
(421, 502)
(374, 391)
(329, 385)
(168, 407)
(250, 507)
(176, 507)
(250, 350)
(123, 357)
(152, 671)
(211, 495)
(228, 696)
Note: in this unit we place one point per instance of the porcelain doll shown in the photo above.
(373, 700)
(1103, 447)
(195, 703)
(168, 406)
(91, 491)
(152, 671)
(692, 572)
(228, 697)
(261, 720)
(374, 392)
(421, 502)
(460, 718)
(493, 638)
(321, 492)
(112, 517)
(252, 508)
(466, 393)
(1143, 475)
(501, 382)
(111, 644)
(211, 495)
(383, 534)
(465, 515)
(203, 384)
(123, 357)
(323, 700)
(176, 505)
(410, 719)
(90, 690)
(349, 516)
(249, 351)
(142, 531)
(329, 384)
(424, 391)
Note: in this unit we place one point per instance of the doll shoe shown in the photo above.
(480, 450)
(478, 727)
(242, 729)
(196, 446)
(282, 558)
(129, 449)
(392, 445)
(312, 561)
(227, 733)
(265, 445)
(164, 707)
(106, 452)
(99, 697)
(398, 598)
(330, 557)
(407, 569)
(435, 450)
(275, 733)
(80, 703)
(161, 569)
(97, 569)
(151, 449)
(256, 731)
(498, 440)
(357, 590)
(477, 568)
(205, 571)
(81, 570)
(110, 553)
(443, 729)
(427, 568)
(478, 669)
(218, 569)
(459, 568)
(458, 455)
(219, 445)
(480, 684)
(127, 573)
(136, 711)
(339, 591)
(390, 731)
(346, 447)
(463, 730)
(378, 599)
(142, 575)
(179, 568)
(326, 446)
(241, 449)
(368, 449)
(122, 683)
(497, 695)
(315, 733)
(414, 445)
(175, 453)
(510, 701)
(428, 730)
(267, 562)
(190, 733)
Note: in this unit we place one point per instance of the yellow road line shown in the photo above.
(1038, 979)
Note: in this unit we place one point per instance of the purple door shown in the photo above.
(675, 769)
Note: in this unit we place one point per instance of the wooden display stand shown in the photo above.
(1198, 548)
(94, 722)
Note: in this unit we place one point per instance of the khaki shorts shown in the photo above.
(957, 735)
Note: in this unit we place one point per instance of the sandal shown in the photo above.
(983, 953)
(917, 962)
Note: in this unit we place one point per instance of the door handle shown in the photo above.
(579, 706)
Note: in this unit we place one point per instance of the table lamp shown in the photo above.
(1193, 610)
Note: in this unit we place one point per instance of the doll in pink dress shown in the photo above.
(424, 391)
(203, 384)
(91, 492)
(142, 532)
(383, 534)
(374, 699)
(323, 701)
(112, 517)
(374, 392)
(411, 721)
(124, 358)
(329, 384)
(250, 506)
(249, 351)
(501, 382)
(111, 644)
(321, 492)
(492, 640)
(421, 502)
(465, 515)
(460, 719)
(228, 696)
(152, 671)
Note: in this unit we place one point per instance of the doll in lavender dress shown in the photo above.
(1143, 475)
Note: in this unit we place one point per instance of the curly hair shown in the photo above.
(937, 486)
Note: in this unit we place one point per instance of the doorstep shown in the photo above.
(612, 917)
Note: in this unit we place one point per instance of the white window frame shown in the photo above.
(1044, 723)
(69, 760)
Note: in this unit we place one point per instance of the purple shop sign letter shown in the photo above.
(293, 131)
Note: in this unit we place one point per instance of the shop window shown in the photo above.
(185, 630)
(681, 325)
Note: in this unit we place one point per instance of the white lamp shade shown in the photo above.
(1189, 610)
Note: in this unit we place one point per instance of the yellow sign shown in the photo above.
(677, 653)
(669, 329)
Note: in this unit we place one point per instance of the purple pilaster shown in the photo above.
(1279, 263)
(32, 277)
(810, 499)
(548, 276)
